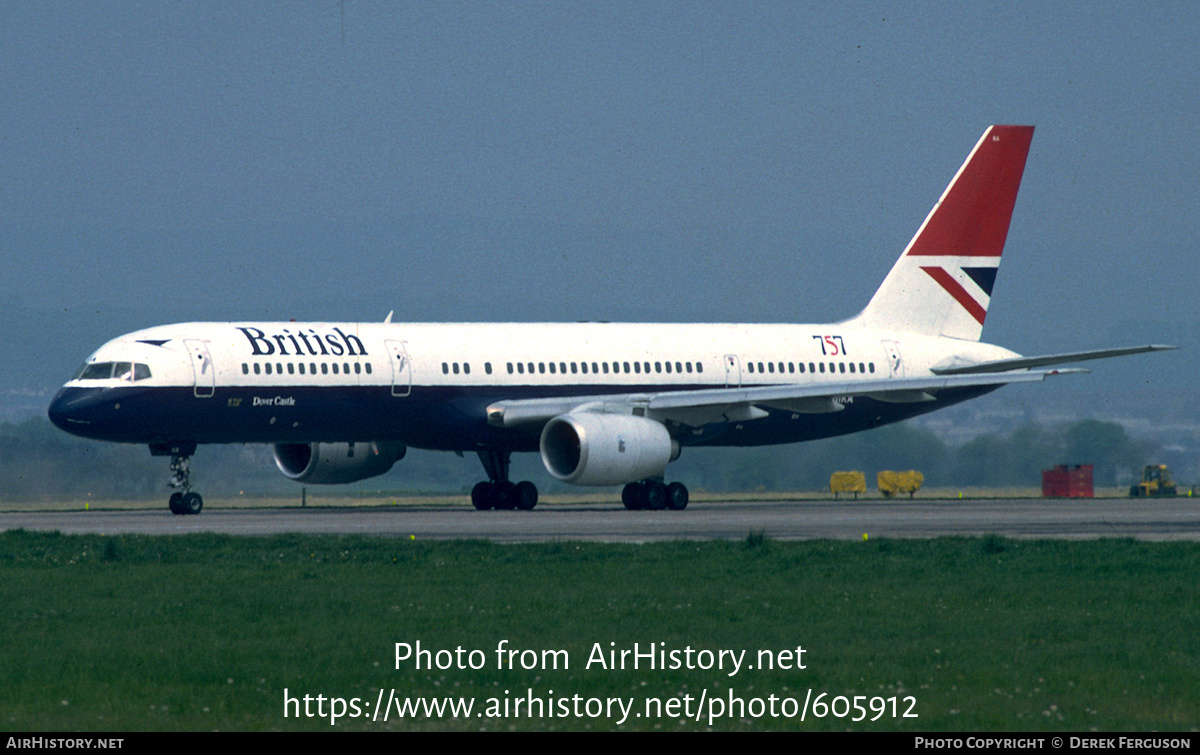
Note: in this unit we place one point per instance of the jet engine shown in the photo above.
(336, 463)
(605, 449)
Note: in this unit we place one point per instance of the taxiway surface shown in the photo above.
(1167, 519)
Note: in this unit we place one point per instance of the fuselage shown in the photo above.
(428, 385)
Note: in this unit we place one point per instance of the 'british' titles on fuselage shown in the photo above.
(329, 344)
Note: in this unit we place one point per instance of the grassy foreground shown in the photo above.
(206, 632)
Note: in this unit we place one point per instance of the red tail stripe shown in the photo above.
(972, 218)
(955, 289)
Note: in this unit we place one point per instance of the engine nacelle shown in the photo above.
(605, 449)
(336, 463)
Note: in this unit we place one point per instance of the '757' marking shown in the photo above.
(831, 346)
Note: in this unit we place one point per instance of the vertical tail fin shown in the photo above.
(942, 283)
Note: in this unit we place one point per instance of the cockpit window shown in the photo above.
(96, 371)
(109, 370)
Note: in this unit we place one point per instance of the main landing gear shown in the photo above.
(655, 495)
(498, 492)
(183, 501)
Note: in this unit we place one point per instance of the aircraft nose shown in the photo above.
(70, 409)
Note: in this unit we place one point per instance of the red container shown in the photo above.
(1067, 481)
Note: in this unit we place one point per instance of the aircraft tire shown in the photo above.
(503, 496)
(191, 503)
(631, 496)
(481, 496)
(677, 496)
(176, 504)
(654, 495)
(525, 495)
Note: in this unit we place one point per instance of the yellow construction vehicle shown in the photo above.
(1156, 481)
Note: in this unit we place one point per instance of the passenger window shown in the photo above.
(637, 367)
(871, 367)
(301, 367)
(510, 368)
(268, 368)
(802, 368)
(822, 366)
(852, 368)
(750, 366)
(689, 366)
(445, 369)
(760, 368)
(291, 368)
(531, 368)
(596, 366)
(542, 367)
(487, 367)
(456, 368)
(357, 368)
(791, 367)
(368, 368)
(771, 367)
(312, 368)
(257, 368)
(658, 367)
(699, 367)
(605, 364)
(245, 369)
(466, 368)
(278, 368)
(812, 367)
(860, 367)
(325, 368)
(552, 368)
(574, 368)
(520, 368)
(345, 369)
(562, 368)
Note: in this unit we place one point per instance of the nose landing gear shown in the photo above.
(184, 500)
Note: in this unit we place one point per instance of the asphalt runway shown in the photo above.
(1168, 519)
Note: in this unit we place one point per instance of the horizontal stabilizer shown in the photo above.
(1022, 363)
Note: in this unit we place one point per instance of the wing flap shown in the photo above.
(738, 404)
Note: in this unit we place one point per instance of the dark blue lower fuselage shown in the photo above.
(430, 417)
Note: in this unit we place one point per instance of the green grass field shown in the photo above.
(206, 632)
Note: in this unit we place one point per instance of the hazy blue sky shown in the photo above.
(544, 161)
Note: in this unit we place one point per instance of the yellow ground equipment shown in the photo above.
(1156, 481)
(891, 483)
(847, 482)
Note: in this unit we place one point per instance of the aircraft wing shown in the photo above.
(1021, 363)
(699, 407)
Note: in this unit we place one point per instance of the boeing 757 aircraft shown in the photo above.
(603, 403)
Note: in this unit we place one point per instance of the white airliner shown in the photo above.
(603, 403)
